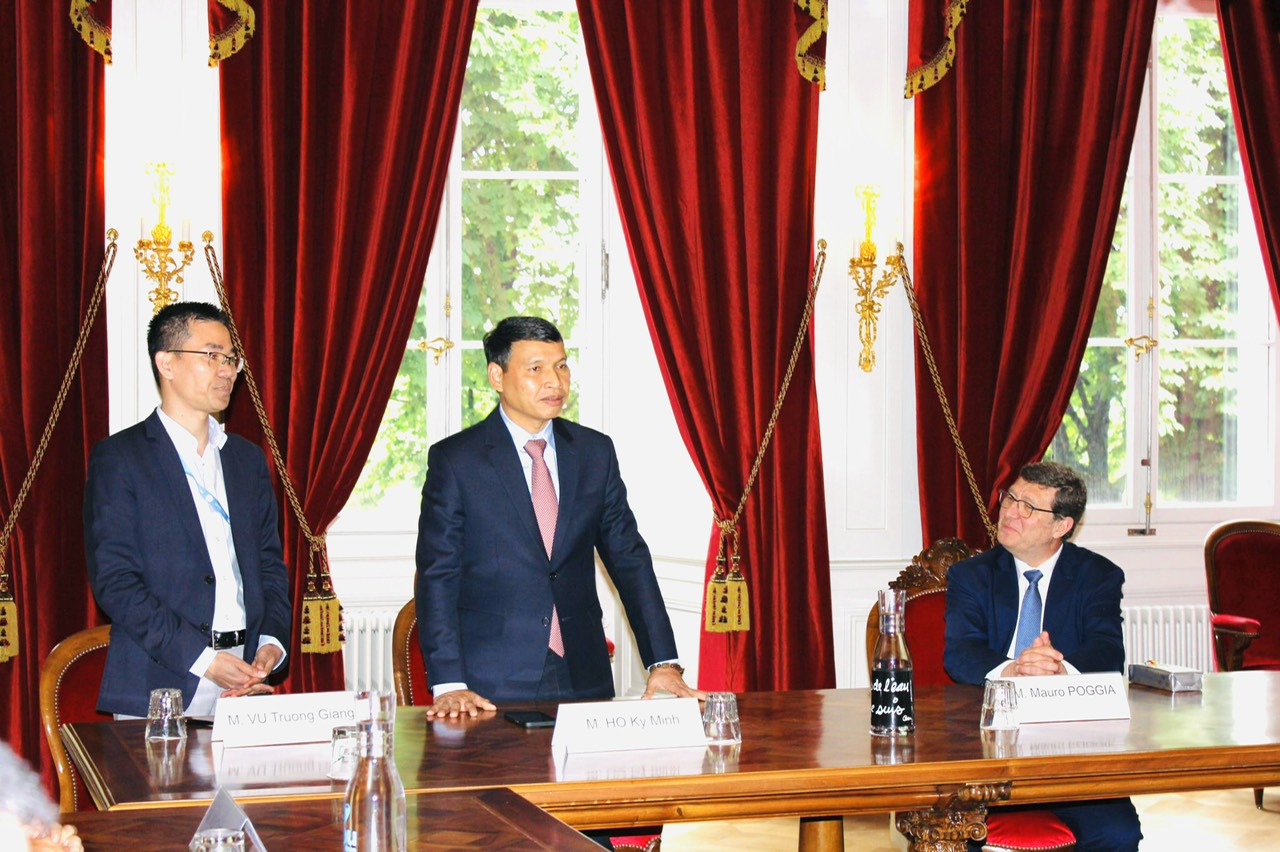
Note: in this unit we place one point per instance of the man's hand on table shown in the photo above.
(1039, 659)
(460, 702)
(670, 679)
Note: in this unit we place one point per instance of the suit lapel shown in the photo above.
(238, 499)
(506, 464)
(175, 482)
(1058, 597)
(1006, 597)
(569, 469)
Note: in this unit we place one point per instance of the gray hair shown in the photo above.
(23, 795)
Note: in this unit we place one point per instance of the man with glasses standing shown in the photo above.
(181, 541)
(1038, 605)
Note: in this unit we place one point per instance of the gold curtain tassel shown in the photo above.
(739, 603)
(321, 624)
(9, 630)
(717, 607)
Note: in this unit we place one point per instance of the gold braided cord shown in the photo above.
(819, 263)
(919, 79)
(727, 603)
(319, 586)
(95, 33)
(942, 394)
(77, 355)
(227, 42)
(812, 68)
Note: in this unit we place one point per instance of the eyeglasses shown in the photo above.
(1024, 508)
(217, 359)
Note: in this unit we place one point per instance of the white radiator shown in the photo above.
(1179, 635)
(366, 655)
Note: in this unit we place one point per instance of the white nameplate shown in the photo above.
(276, 766)
(628, 725)
(617, 766)
(1072, 698)
(303, 717)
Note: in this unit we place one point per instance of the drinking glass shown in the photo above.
(344, 752)
(720, 719)
(999, 706)
(375, 706)
(218, 840)
(164, 716)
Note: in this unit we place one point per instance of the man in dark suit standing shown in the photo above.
(180, 533)
(1037, 605)
(513, 510)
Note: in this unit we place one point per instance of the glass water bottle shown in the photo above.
(374, 816)
(892, 693)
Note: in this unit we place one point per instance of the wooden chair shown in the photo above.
(1242, 567)
(925, 582)
(69, 681)
(407, 666)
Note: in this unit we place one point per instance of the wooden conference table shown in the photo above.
(805, 754)
(495, 820)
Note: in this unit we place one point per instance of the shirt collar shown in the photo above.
(521, 437)
(1045, 568)
(184, 440)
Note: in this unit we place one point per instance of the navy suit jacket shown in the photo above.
(485, 586)
(149, 564)
(1081, 614)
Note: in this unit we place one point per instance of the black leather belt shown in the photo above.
(223, 641)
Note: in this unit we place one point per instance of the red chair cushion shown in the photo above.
(1027, 830)
(637, 841)
(1239, 623)
(78, 689)
(923, 616)
(417, 670)
(1247, 569)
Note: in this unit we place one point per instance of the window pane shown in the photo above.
(519, 100)
(1092, 437)
(478, 398)
(1196, 134)
(1199, 261)
(520, 251)
(398, 460)
(1112, 316)
(1198, 424)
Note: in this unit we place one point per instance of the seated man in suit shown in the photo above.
(513, 510)
(180, 533)
(1073, 628)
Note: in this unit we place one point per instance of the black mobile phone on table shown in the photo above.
(530, 718)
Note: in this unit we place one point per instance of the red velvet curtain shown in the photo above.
(338, 119)
(1021, 154)
(1251, 46)
(51, 242)
(711, 136)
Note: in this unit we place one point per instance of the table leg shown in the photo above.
(960, 817)
(822, 834)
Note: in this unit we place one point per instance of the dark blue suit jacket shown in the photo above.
(1082, 612)
(149, 564)
(485, 586)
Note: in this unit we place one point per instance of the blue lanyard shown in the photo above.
(209, 496)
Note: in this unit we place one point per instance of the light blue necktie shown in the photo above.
(1029, 617)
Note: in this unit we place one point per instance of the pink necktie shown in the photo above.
(546, 507)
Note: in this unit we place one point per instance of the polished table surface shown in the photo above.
(803, 753)
(493, 819)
